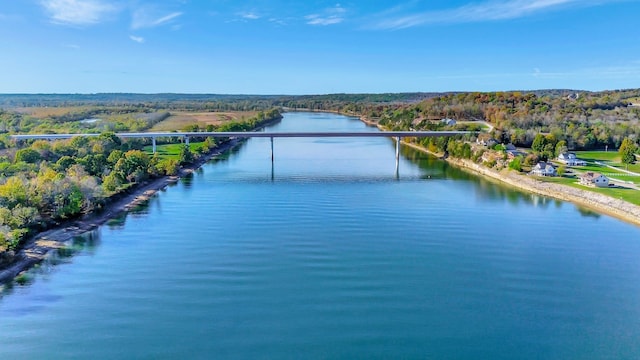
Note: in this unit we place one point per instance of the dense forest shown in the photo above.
(583, 120)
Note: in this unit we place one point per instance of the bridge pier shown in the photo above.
(272, 151)
(397, 154)
(186, 140)
(153, 142)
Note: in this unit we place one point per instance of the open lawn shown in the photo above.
(626, 194)
(172, 151)
(598, 155)
(609, 157)
(565, 180)
(180, 120)
(610, 172)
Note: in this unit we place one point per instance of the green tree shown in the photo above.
(94, 164)
(27, 155)
(133, 166)
(186, 156)
(561, 147)
(516, 164)
(112, 182)
(627, 151)
(13, 192)
(114, 156)
(168, 166)
(561, 170)
(538, 143)
(64, 163)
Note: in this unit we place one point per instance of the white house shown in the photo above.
(571, 160)
(544, 169)
(594, 179)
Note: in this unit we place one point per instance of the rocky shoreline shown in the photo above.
(598, 202)
(594, 201)
(601, 203)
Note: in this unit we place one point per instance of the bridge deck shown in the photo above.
(248, 134)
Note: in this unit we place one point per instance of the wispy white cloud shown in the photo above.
(249, 15)
(277, 21)
(145, 18)
(138, 39)
(478, 12)
(78, 12)
(331, 16)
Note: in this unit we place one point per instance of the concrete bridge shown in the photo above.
(398, 135)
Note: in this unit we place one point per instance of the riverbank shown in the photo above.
(594, 201)
(41, 246)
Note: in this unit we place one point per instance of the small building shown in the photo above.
(544, 169)
(594, 179)
(571, 159)
(486, 140)
(512, 154)
(448, 121)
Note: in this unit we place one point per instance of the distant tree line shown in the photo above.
(583, 121)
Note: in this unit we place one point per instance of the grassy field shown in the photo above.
(612, 155)
(44, 112)
(626, 194)
(172, 151)
(564, 180)
(611, 158)
(180, 120)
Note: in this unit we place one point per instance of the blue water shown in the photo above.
(328, 254)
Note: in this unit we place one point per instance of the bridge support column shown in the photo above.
(153, 142)
(272, 150)
(397, 154)
(186, 140)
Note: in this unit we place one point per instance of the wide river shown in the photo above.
(329, 255)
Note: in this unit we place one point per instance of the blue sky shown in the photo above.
(317, 47)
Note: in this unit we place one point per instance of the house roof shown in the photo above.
(590, 175)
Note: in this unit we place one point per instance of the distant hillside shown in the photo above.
(8, 101)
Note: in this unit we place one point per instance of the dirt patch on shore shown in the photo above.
(180, 120)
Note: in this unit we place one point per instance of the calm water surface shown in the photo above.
(329, 255)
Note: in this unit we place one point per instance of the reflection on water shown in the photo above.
(588, 212)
